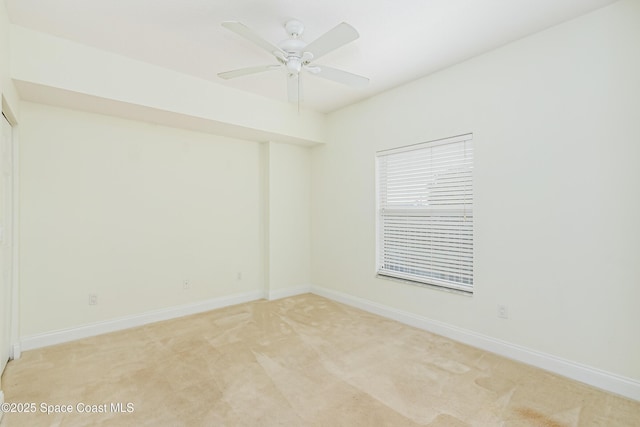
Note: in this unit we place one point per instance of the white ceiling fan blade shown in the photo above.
(248, 34)
(339, 36)
(294, 88)
(246, 71)
(339, 76)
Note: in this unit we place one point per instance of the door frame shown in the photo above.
(13, 233)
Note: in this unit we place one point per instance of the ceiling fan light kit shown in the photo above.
(294, 55)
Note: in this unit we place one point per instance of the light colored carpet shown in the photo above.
(300, 361)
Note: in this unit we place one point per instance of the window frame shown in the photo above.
(431, 213)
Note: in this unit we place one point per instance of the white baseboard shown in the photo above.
(288, 292)
(596, 377)
(85, 331)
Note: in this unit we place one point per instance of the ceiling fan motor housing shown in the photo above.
(293, 49)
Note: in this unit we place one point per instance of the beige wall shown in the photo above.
(289, 218)
(7, 90)
(555, 124)
(128, 211)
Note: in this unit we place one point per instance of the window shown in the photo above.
(425, 213)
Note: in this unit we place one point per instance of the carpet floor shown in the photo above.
(299, 361)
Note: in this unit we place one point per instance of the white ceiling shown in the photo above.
(399, 40)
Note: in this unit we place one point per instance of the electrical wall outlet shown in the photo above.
(93, 299)
(186, 285)
(503, 312)
(239, 275)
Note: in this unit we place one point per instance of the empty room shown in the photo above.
(338, 213)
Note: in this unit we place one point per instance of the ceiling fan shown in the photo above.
(294, 55)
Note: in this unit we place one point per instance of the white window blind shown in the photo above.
(425, 213)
